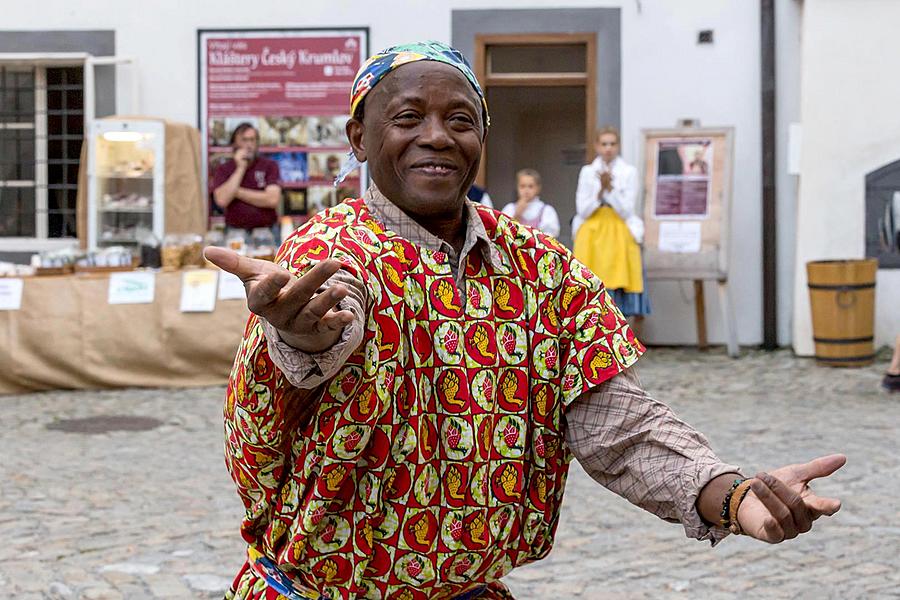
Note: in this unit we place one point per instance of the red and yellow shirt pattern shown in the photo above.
(434, 461)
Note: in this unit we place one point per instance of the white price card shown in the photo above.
(198, 291)
(132, 287)
(230, 287)
(679, 236)
(10, 293)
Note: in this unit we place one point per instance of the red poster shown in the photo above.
(683, 178)
(293, 87)
(284, 76)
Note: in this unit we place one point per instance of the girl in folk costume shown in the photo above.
(529, 209)
(606, 229)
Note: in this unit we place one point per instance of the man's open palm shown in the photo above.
(305, 318)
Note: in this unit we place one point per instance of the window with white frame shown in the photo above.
(41, 133)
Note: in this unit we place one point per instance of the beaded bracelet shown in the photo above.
(725, 515)
(737, 496)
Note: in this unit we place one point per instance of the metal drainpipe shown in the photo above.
(769, 237)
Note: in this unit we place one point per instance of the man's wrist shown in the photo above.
(310, 344)
(710, 499)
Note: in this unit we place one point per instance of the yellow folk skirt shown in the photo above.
(605, 244)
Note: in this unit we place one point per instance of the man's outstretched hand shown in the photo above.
(306, 320)
(780, 506)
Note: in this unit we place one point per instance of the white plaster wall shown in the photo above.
(850, 99)
(665, 76)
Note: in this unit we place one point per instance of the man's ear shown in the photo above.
(355, 131)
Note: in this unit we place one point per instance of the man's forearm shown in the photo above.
(225, 193)
(260, 199)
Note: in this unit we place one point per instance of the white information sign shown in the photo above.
(198, 291)
(230, 287)
(10, 293)
(679, 236)
(132, 287)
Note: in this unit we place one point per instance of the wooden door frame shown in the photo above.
(588, 80)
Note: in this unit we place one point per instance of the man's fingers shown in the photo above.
(316, 277)
(337, 320)
(822, 506)
(820, 467)
(794, 502)
(774, 532)
(265, 291)
(776, 508)
(229, 260)
(319, 306)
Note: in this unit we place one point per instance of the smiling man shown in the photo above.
(419, 371)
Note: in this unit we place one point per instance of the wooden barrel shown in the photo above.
(842, 297)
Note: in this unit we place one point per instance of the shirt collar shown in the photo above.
(394, 219)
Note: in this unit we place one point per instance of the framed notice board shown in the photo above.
(687, 213)
(687, 202)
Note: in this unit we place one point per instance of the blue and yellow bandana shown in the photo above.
(387, 60)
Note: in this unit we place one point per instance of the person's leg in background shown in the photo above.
(891, 381)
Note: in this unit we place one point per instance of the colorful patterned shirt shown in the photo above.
(435, 457)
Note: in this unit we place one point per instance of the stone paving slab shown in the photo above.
(153, 514)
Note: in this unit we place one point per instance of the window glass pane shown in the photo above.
(26, 154)
(74, 100)
(7, 103)
(61, 217)
(61, 224)
(54, 76)
(16, 154)
(74, 75)
(54, 149)
(8, 212)
(55, 172)
(54, 123)
(9, 164)
(25, 105)
(568, 58)
(17, 218)
(73, 148)
(16, 95)
(54, 99)
(57, 200)
(72, 176)
(24, 79)
(27, 215)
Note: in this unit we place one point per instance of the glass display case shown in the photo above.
(126, 182)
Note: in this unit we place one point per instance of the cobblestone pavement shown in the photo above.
(153, 514)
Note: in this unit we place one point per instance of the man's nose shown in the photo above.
(435, 133)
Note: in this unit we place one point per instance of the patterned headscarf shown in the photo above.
(387, 60)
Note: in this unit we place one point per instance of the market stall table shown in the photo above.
(66, 335)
